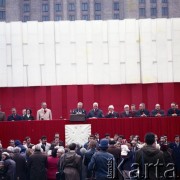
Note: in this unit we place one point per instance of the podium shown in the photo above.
(77, 117)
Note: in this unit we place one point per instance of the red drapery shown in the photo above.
(126, 126)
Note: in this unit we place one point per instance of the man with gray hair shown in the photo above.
(44, 113)
(95, 112)
(79, 109)
(111, 113)
(126, 112)
(14, 116)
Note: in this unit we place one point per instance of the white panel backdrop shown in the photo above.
(89, 52)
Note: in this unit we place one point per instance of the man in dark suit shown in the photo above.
(14, 116)
(173, 111)
(111, 113)
(176, 153)
(143, 112)
(79, 109)
(157, 112)
(95, 112)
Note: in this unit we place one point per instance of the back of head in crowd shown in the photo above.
(149, 138)
(72, 146)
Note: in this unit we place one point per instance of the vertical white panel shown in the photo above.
(105, 31)
(57, 34)
(9, 76)
(8, 55)
(162, 51)
(3, 55)
(48, 68)
(132, 52)
(40, 32)
(113, 33)
(25, 78)
(122, 30)
(25, 33)
(8, 33)
(89, 51)
(176, 49)
(88, 31)
(105, 53)
(17, 53)
(32, 52)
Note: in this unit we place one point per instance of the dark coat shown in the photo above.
(155, 112)
(21, 166)
(133, 113)
(37, 164)
(15, 118)
(112, 115)
(25, 117)
(172, 111)
(100, 163)
(87, 158)
(72, 165)
(148, 155)
(141, 112)
(10, 169)
(124, 115)
(176, 155)
(127, 161)
(95, 113)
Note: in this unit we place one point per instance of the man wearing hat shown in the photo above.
(9, 166)
(102, 162)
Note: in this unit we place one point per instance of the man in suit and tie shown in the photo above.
(95, 112)
(111, 113)
(173, 111)
(14, 116)
(157, 112)
(79, 109)
(44, 113)
(2, 115)
(143, 112)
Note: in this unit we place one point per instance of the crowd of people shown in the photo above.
(129, 111)
(107, 158)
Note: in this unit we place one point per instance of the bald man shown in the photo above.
(157, 112)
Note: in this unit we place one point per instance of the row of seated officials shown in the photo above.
(45, 114)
